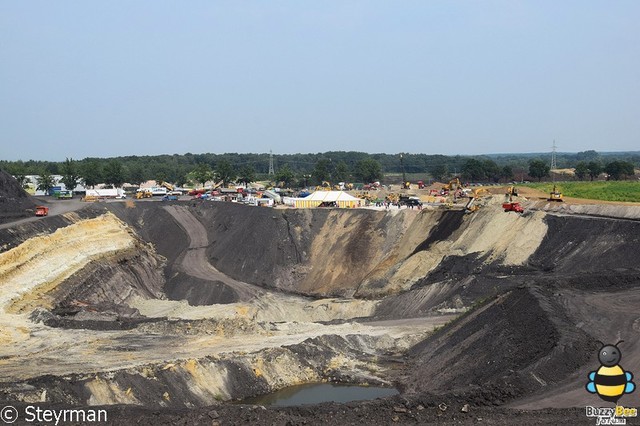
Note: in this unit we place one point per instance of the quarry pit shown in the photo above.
(173, 311)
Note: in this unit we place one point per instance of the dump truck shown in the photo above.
(42, 211)
(512, 207)
(63, 194)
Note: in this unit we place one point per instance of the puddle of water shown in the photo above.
(314, 393)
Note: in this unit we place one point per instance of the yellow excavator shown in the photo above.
(324, 186)
(167, 185)
(555, 195)
(452, 185)
(475, 196)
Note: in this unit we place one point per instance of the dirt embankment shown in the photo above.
(359, 252)
(515, 345)
(15, 203)
(86, 267)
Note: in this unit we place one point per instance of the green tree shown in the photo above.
(582, 170)
(70, 174)
(474, 170)
(586, 156)
(202, 173)
(136, 174)
(506, 173)
(285, 175)
(322, 171)
(538, 169)
(91, 172)
(160, 173)
(114, 173)
(440, 171)
(341, 173)
(368, 170)
(594, 169)
(45, 181)
(247, 175)
(491, 170)
(619, 169)
(225, 172)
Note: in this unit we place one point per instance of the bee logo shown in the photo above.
(610, 381)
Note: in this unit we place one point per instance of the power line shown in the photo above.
(271, 171)
(554, 164)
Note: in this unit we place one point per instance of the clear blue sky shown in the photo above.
(110, 78)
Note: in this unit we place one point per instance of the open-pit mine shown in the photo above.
(169, 312)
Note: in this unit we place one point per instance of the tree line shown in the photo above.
(312, 169)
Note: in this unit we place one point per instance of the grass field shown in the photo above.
(600, 190)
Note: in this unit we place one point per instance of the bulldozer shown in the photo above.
(555, 195)
(143, 193)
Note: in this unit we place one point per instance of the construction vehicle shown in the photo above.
(409, 201)
(452, 185)
(167, 185)
(555, 195)
(324, 186)
(512, 191)
(42, 211)
(372, 186)
(143, 193)
(420, 184)
(393, 198)
(406, 185)
(472, 205)
(63, 194)
(512, 207)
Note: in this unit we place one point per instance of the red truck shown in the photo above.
(42, 211)
(512, 207)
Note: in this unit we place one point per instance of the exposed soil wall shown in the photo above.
(211, 380)
(15, 203)
(84, 269)
(588, 245)
(515, 345)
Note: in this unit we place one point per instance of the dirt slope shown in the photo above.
(513, 346)
(15, 203)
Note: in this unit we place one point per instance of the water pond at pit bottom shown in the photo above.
(314, 393)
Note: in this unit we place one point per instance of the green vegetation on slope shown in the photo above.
(598, 190)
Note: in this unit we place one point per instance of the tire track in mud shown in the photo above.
(195, 262)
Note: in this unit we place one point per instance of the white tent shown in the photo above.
(335, 198)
